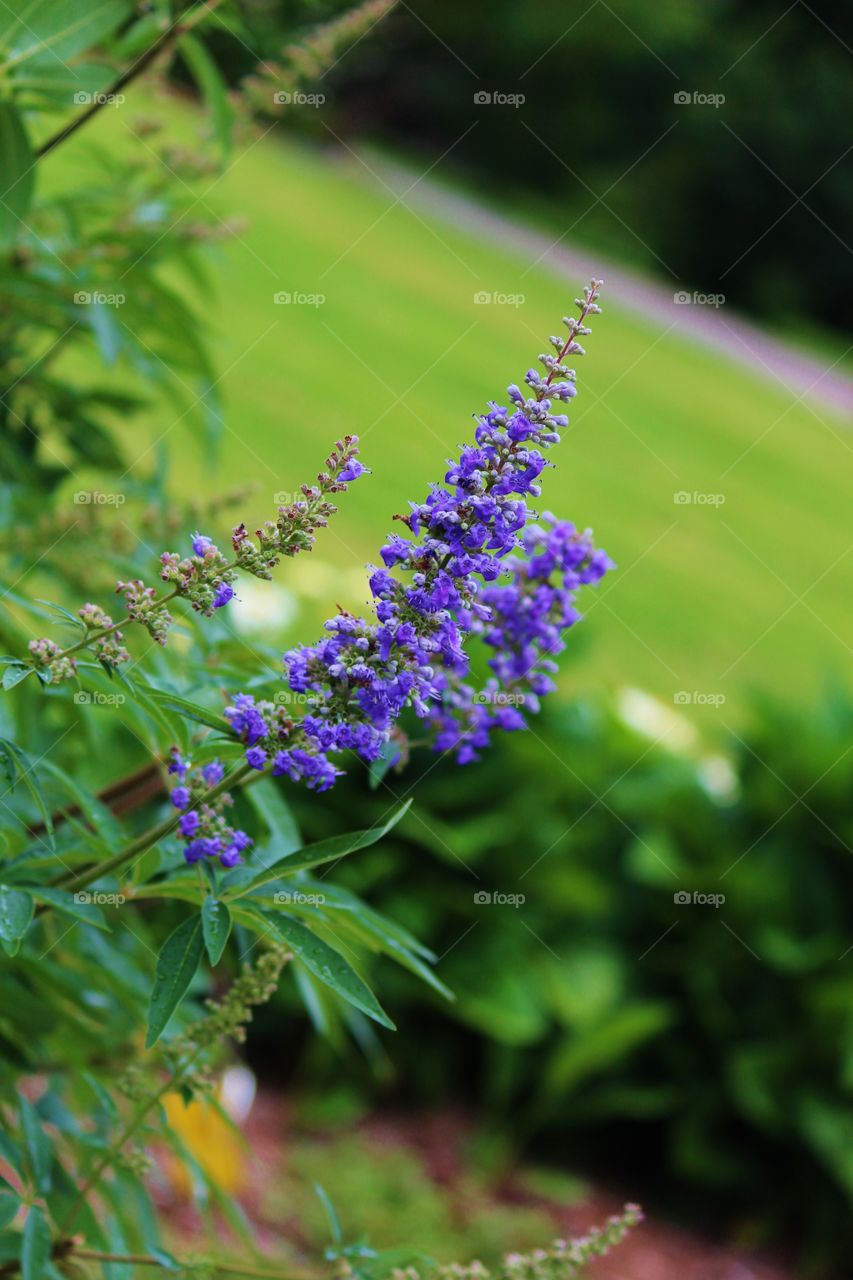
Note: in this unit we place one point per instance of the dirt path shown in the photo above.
(716, 327)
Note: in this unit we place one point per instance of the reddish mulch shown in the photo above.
(655, 1250)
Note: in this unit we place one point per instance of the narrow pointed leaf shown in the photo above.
(216, 926)
(313, 855)
(329, 966)
(177, 963)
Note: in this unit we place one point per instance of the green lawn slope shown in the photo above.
(713, 599)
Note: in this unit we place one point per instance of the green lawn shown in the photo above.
(717, 599)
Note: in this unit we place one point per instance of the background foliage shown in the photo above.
(600, 1016)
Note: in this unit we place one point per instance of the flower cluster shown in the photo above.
(439, 585)
(206, 578)
(295, 527)
(51, 660)
(525, 627)
(107, 640)
(143, 606)
(202, 825)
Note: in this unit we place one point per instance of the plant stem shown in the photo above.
(145, 1260)
(144, 841)
(126, 1134)
(584, 312)
(177, 28)
(91, 636)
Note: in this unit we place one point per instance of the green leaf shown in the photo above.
(15, 674)
(176, 966)
(372, 930)
(329, 966)
(63, 28)
(331, 1213)
(215, 926)
(71, 904)
(18, 180)
(277, 815)
(19, 768)
(189, 710)
(10, 1153)
(328, 850)
(384, 762)
(16, 912)
(38, 1145)
(9, 1206)
(213, 88)
(35, 1246)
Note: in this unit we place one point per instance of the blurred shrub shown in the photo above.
(710, 1046)
(688, 191)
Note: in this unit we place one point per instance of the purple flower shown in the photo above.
(247, 720)
(213, 773)
(230, 856)
(351, 471)
(188, 823)
(223, 593)
(180, 797)
(177, 764)
(472, 565)
(201, 544)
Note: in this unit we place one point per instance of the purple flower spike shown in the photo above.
(201, 544)
(470, 562)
